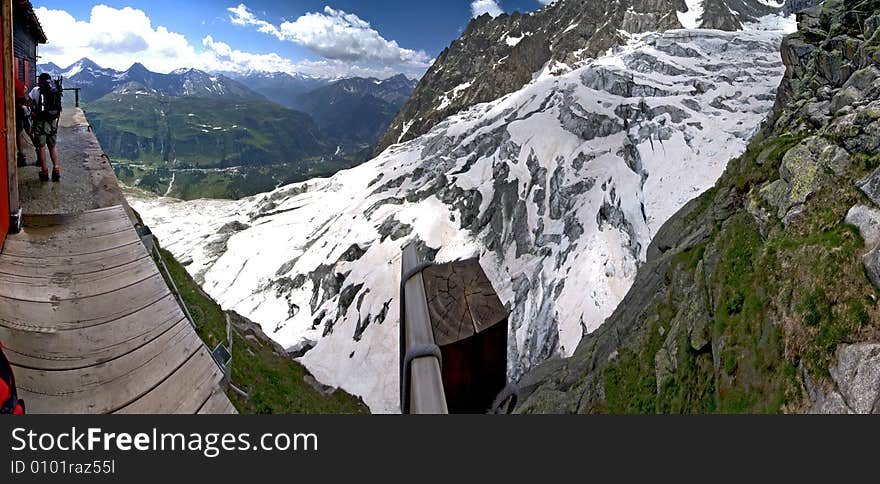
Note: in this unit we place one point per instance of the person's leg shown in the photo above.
(19, 144)
(56, 170)
(41, 159)
(40, 145)
(19, 139)
(53, 153)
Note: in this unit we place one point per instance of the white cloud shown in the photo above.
(116, 38)
(242, 16)
(335, 35)
(219, 56)
(113, 37)
(480, 7)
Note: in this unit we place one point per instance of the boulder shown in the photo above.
(870, 185)
(300, 349)
(863, 84)
(857, 376)
(802, 173)
(867, 219)
(871, 261)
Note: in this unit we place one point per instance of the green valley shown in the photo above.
(208, 148)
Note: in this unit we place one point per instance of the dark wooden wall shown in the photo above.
(475, 370)
(25, 49)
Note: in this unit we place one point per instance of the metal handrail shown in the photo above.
(421, 381)
(76, 93)
(173, 287)
(226, 369)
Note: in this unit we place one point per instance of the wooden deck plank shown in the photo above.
(90, 325)
(218, 403)
(113, 385)
(80, 264)
(72, 247)
(72, 221)
(82, 379)
(200, 376)
(83, 312)
(39, 235)
(62, 286)
(77, 271)
(79, 348)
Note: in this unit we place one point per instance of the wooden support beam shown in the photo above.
(9, 109)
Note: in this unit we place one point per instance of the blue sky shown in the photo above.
(316, 37)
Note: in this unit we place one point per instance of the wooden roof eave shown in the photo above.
(34, 22)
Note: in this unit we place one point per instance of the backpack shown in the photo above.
(49, 106)
(9, 402)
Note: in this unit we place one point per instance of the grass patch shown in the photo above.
(273, 382)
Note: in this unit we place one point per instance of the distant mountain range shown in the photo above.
(281, 127)
(357, 111)
(354, 112)
(96, 82)
(283, 88)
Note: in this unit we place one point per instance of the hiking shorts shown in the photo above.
(45, 133)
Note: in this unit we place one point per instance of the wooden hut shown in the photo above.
(27, 35)
(453, 338)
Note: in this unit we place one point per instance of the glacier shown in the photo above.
(557, 188)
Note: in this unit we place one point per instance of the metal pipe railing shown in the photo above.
(173, 286)
(421, 378)
(75, 93)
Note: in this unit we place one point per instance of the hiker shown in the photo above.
(9, 402)
(21, 118)
(46, 100)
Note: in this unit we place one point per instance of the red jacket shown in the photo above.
(9, 402)
(20, 93)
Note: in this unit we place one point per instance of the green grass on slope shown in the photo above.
(780, 302)
(232, 185)
(273, 382)
(201, 133)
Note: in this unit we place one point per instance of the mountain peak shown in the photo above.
(51, 68)
(138, 69)
(84, 63)
(137, 66)
(499, 55)
(182, 71)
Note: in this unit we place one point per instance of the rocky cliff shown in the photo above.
(760, 295)
(497, 56)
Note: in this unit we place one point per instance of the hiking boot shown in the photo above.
(56, 175)
(44, 176)
(22, 161)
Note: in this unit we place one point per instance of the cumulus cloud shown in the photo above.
(335, 35)
(241, 15)
(220, 56)
(116, 38)
(113, 37)
(480, 7)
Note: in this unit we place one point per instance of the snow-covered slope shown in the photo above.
(558, 188)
